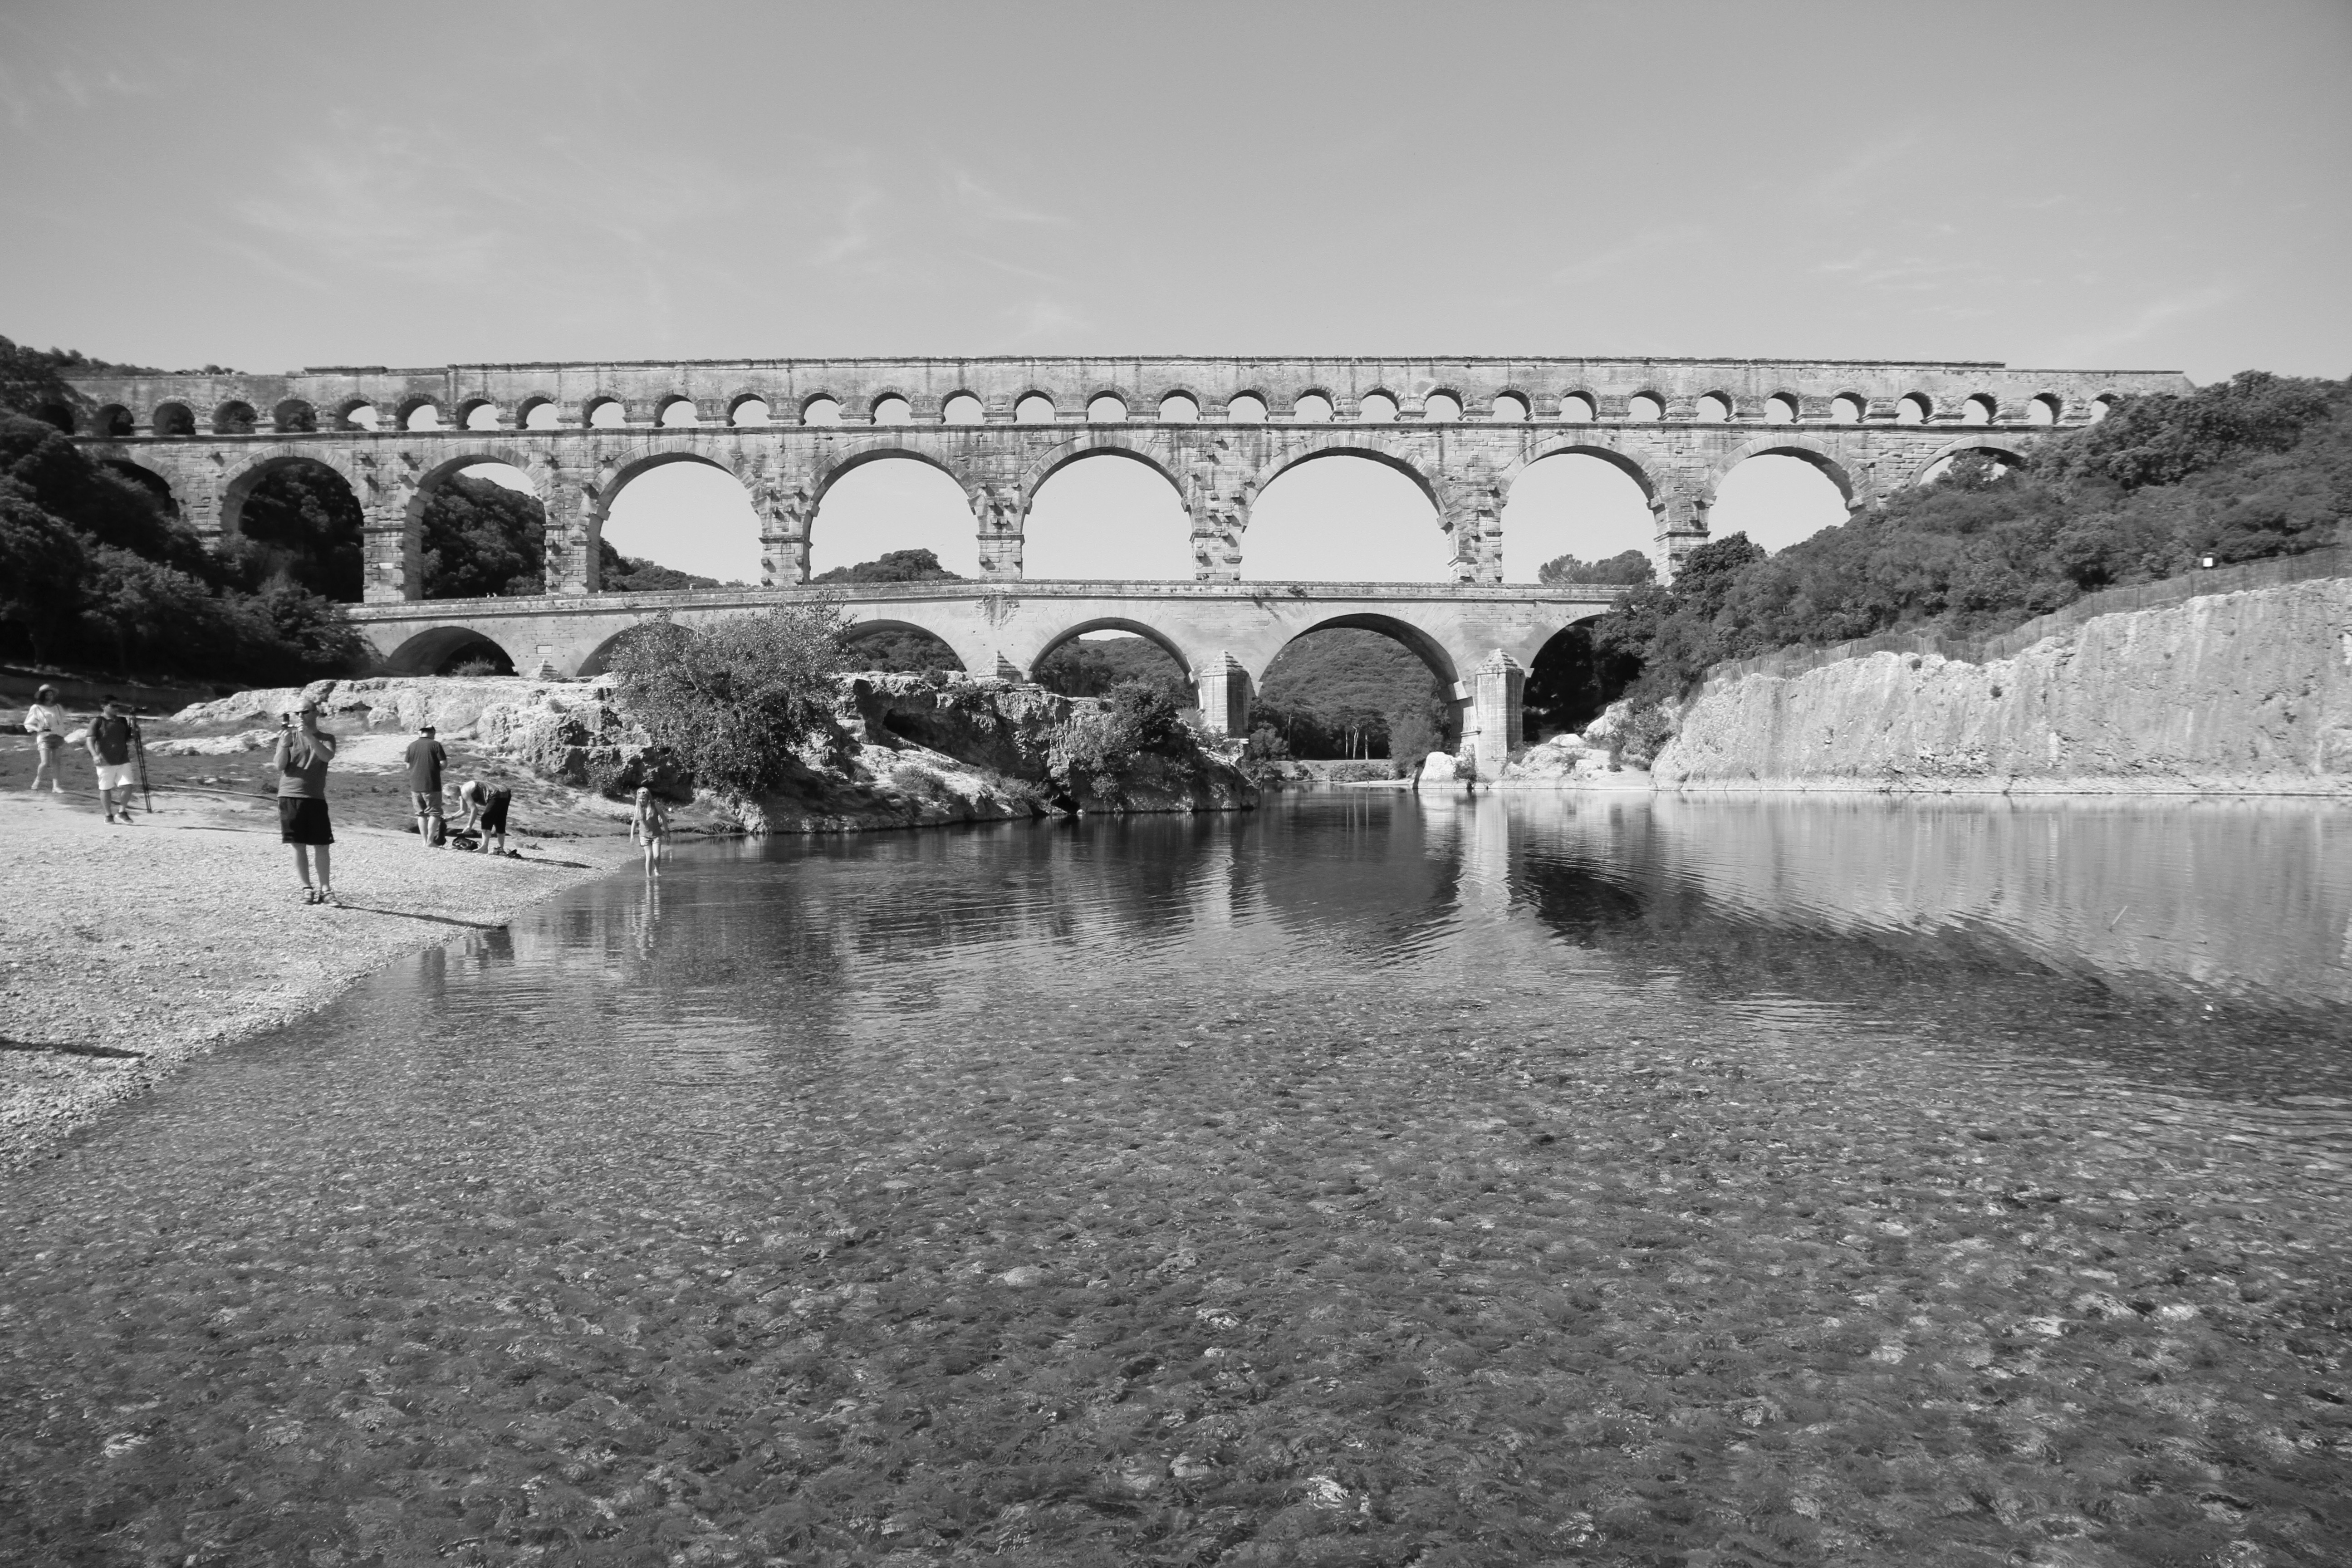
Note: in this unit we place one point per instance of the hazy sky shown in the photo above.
(2087, 185)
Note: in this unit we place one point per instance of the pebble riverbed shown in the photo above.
(1364, 1180)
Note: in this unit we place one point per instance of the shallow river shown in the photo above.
(1364, 1180)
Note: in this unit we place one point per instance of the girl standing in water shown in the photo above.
(650, 827)
(301, 758)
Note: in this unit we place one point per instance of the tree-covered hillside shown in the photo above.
(2257, 466)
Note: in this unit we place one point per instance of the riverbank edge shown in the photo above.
(76, 1098)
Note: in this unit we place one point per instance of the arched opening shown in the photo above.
(1646, 408)
(1777, 499)
(1245, 408)
(1977, 410)
(688, 514)
(821, 409)
(677, 412)
(1106, 408)
(293, 416)
(1360, 686)
(2042, 410)
(1981, 461)
(173, 419)
(1913, 409)
(58, 413)
(892, 409)
(1377, 408)
(541, 413)
(750, 411)
(1312, 408)
(1577, 517)
(1088, 660)
(234, 418)
(962, 409)
(896, 647)
(1570, 682)
(1510, 408)
(1323, 519)
(422, 414)
(361, 415)
(151, 484)
(1578, 408)
(295, 521)
(449, 650)
(1035, 408)
(1098, 520)
(606, 414)
(890, 501)
(110, 422)
(1180, 408)
(1779, 409)
(1847, 409)
(477, 413)
(1441, 408)
(1715, 408)
(2101, 406)
(482, 533)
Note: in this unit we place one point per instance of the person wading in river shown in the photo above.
(301, 759)
(650, 827)
(425, 759)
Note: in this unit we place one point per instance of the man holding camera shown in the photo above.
(111, 736)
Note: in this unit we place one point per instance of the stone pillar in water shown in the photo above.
(1496, 688)
(1224, 688)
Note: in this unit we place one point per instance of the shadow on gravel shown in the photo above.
(63, 1048)
(437, 919)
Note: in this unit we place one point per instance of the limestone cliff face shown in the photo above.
(2245, 693)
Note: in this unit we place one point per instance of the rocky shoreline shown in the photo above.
(125, 952)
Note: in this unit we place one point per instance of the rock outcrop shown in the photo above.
(2245, 693)
(1564, 762)
(901, 750)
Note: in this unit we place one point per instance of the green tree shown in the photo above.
(893, 566)
(1081, 667)
(302, 525)
(619, 574)
(483, 541)
(1626, 566)
(734, 699)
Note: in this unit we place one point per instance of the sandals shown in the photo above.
(309, 894)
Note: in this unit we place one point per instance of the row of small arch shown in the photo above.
(236, 417)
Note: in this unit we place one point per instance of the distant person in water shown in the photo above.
(46, 722)
(426, 760)
(484, 805)
(110, 748)
(650, 827)
(301, 758)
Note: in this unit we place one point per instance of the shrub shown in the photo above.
(732, 700)
(1137, 718)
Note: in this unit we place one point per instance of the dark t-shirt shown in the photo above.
(111, 736)
(424, 759)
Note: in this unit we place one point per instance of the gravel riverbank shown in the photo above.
(124, 952)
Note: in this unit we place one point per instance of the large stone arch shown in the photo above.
(1381, 443)
(619, 469)
(255, 465)
(1187, 659)
(859, 631)
(428, 651)
(1450, 666)
(830, 471)
(1810, 449)
(2018, 452)
(1587, 443)
(973, 642)
(448, 465)
(1062, 454)
(166, 479)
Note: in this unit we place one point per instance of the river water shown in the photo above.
(1362, 1180)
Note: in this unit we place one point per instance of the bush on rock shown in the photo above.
(732, 700)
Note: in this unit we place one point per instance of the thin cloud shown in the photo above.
(984, 202)
(1900, 274)
(1042, 319)
(2151, 318)
(1650, 242)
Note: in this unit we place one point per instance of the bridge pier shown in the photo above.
(1497, 716)
(1225, 689)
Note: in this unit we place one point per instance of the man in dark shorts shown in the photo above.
(484, 804)
(110, 748)
(425, 759)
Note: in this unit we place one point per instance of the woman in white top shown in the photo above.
(46, 721)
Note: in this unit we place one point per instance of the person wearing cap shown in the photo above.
(110, 748)
(425, 759)
(301, 758)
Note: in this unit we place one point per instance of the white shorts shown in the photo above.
(115, 778)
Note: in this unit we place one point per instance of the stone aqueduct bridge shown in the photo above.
(1217, 430)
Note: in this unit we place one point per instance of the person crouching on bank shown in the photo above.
(301, 757)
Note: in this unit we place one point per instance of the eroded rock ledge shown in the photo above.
(901, 751)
